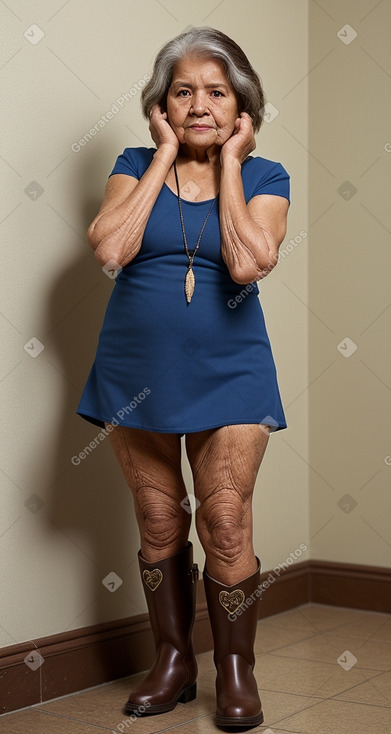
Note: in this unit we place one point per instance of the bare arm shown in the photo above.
(250, 234)
(116, 232)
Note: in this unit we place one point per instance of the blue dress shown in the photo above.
(168, 366)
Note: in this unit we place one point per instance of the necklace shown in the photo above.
(190, 278)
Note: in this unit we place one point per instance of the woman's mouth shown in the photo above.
(200, 128)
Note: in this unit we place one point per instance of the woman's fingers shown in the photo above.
(242, 141)
(160, 129)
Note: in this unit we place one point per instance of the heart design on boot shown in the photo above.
(232, 600)
(153, 578)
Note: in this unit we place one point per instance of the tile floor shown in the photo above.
(304, 689)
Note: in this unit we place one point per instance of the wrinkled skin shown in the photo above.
(224, 464)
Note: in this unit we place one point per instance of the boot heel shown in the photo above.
(188, 694)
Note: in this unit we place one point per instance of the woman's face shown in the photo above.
(201, 104)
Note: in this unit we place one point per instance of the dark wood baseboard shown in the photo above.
(90, 656)
(350, 585)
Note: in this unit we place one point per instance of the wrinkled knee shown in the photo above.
(162, 520)
(222, 525)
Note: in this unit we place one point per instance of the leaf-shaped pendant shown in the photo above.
(189, 283)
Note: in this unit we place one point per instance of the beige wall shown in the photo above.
(64, 528)
(349, 282)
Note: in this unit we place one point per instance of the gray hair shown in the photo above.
(206, 42)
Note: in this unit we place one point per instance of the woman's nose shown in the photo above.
(199, 103)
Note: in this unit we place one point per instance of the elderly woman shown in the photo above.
(191, 225)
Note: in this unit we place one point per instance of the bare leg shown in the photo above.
(225, 463)
(151, 464)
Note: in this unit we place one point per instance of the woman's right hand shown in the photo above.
(161, 130)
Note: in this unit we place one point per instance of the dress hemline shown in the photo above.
(101, 424)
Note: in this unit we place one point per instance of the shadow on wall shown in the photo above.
(88, 501)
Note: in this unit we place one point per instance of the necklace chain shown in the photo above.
(190, 279)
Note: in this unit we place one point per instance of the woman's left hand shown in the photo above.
(242, 141)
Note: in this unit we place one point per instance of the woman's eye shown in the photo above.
(217, 92)
(183, 93)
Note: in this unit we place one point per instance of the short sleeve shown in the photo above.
(133, 162)
(268, 177)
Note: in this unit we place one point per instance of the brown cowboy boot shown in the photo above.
(170, 591)
(233, 615)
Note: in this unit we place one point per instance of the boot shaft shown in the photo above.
(233, 612)
(170, 591)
